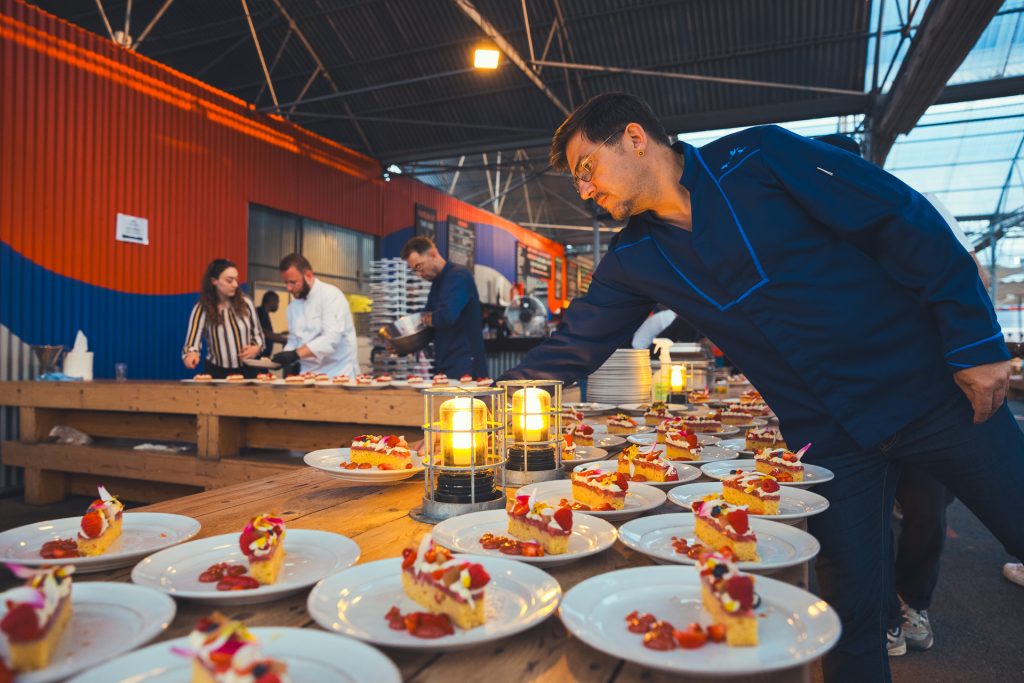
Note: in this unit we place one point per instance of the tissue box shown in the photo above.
(78, 364)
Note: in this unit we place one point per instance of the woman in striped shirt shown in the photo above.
(228, 322)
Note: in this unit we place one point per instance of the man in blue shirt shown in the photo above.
(841, 294)
(453, 309)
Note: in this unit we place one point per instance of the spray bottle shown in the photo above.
(662, 382)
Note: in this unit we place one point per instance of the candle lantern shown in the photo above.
(464, 452)
(533, 434)
(677, 383)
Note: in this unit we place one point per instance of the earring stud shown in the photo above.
(640, 153)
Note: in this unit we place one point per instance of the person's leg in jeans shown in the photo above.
(854, 566)
(982, 465)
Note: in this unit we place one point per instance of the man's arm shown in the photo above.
(910, 240)
(451, 300)
(336, 320)
(592, 328)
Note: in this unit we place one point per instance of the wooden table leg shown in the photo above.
(219, 437)
(45, 486)
(34, 424)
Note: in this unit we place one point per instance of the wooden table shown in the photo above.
(378, 520)
(220, 419)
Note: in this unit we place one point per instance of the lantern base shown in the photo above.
(519, 478)
(466, 488)
(529, 459)
(434, 511)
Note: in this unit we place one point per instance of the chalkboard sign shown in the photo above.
(461, 242)
(572, 279)
(559, 267)
(531, 262)
(426, 222)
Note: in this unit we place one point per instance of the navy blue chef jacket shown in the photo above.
(458, 329)
(837, 289)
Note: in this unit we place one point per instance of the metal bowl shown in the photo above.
(406, 335)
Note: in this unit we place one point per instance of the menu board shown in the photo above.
(559, 267)
(578, 276)
(426, 222)
(461, 242)
(532, 263)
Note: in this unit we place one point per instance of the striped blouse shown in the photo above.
(226, 340)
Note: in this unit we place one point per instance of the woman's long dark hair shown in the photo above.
(208, 297)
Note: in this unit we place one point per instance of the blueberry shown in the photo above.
(719, 570)
(260, 670)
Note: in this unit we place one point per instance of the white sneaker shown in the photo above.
(895, 642)
(917, 629)
(1014, 571)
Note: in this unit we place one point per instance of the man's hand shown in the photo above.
(250, 351)
(985, 387)
(191, 360)
(285, 358)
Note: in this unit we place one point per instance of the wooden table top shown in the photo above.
(378, 520)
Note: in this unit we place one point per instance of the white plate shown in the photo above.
(309, 556)
(589, 409)
(363, 387)
(461, 534)
(640, 498)
(779, 545)
(586, 454)
(796, 628)
(650, 438)
(328, 460)
(813, 474)
(602, 428)
(107, 619)
(737, 445)
(354, 602)
(686, 472)
(261, 363)
(707, 454)
(142, 533)
(311, 655)
(635, 409)
(727, 430)
(794, 503)
(194, 381)
(281, 383)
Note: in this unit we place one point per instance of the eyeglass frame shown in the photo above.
(577, 179)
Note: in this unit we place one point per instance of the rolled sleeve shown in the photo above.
(334, 316)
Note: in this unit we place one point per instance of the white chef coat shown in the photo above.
(323, 323)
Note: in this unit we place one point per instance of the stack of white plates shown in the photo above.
(624, 378)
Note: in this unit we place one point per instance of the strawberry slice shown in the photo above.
(563, 516)
(739, 521)
(692, 637)
(769, 485)
(621, 480)
(716, 633)
(92, 524)
(408, 558)
(478, 576)
(741, 589)
(20, 624)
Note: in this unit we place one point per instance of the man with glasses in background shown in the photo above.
(453, 310)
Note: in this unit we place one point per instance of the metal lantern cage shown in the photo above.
(533, 431)
(464, 444)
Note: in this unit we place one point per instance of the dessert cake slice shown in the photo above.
(656, 413)
(383, 452)
(532, 520)
(672, 424)
(698, 396)
(709, 423)
(266, 377)
(751, 396)
(759, 438)
(682, 445)
(646, 465)
(443, 585)
(721, 525)
(364, 379)
(599, 490)
(783, 464)
(568, 447)
(101, 525)
(758, 491)
(570, 418)
(582, 434)
(37, 615)
(465, 379)
(728, 596)
(340, 379)
(620, 423)
(235, 378)
(440, 379)
(262, 541)
(735, 417)
(202, 377)
(224, 651)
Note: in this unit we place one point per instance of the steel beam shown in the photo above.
(106, 22)
(946, 35)
(151, 24)
(259, 51)
(510, 52)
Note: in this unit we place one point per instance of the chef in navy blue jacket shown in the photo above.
(453, 309)
(840, 293)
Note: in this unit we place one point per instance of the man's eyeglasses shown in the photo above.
(585, 166)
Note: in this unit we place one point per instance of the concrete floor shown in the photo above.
(977, 615)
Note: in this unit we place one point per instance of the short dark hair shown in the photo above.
(269, 295)
(421, 245)
(296, 261)
(600, 117)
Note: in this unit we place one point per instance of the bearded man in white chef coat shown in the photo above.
(321, 334)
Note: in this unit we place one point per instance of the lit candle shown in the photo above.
(466, 442)
(531, 419)
(677, 378)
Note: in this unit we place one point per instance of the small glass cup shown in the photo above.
(120, 372)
